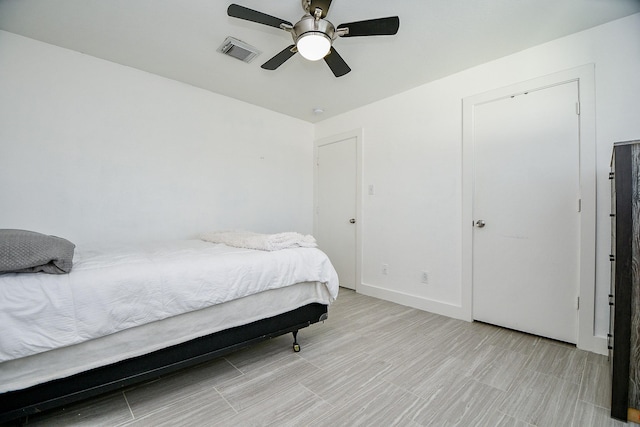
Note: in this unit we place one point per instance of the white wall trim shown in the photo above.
(415, 301)
(585, 76)
(358, 135)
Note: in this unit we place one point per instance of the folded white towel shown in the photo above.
(263, 242)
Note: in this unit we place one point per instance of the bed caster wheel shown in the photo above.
(296, 346)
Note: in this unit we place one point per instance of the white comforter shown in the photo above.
(111, 290)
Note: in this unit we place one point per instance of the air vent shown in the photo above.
(238, 49)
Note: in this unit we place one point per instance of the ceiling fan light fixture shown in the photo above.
(313, 35)
(313, 45)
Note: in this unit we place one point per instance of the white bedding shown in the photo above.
(263, 242)
(62, 362)
(111, 290)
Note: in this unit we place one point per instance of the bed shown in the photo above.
(127, 314)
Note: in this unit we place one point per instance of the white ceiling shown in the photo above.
(178, 39)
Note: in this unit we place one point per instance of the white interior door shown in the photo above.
(526, 191)
(336, 207)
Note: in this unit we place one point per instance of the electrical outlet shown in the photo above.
(385, 269)
(424, 278)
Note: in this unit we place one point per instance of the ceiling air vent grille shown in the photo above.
(238, 49)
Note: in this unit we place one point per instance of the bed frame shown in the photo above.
(56, 393)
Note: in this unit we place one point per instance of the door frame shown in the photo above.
(585, 78)
(357, 134)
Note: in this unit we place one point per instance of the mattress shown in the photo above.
(60, 363)
(122, 302)
(114, 289)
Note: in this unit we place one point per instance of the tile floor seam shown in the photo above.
(581, 383)
(575, 406)
(517, 375)
(226, 401)
(404, 389)
(231, 363)
(316, 394)
(319, 416)
(242, 374)
(594, 404)
(515, 418)
(545, 372)
(124, 395)
(245, 372)
(530, 356)
(311, 363)
(273, 362)
(169, 404)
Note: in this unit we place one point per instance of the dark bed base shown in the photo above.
(32, 400)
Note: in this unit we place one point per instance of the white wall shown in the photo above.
(413, 156)
(95, 151)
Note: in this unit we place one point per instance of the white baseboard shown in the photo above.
(432, 306)
(595, 345)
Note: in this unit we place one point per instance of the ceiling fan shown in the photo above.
(313, 35)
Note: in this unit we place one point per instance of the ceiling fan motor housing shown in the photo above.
(308, 24)
(313, 37)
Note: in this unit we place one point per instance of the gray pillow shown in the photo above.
(24, 251)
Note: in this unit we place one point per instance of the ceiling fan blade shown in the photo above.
(322, 4)
(237, 11)
(336, 63)
(372, 27)
(280, 58)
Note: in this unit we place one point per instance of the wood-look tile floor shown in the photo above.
(373, 363)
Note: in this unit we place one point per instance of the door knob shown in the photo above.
(480, 223)
(352, 220)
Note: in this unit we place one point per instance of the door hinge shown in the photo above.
(577, 303)
(579, 205)
(577, 108)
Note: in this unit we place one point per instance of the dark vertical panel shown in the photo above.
(634, 354)
(622, 280)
